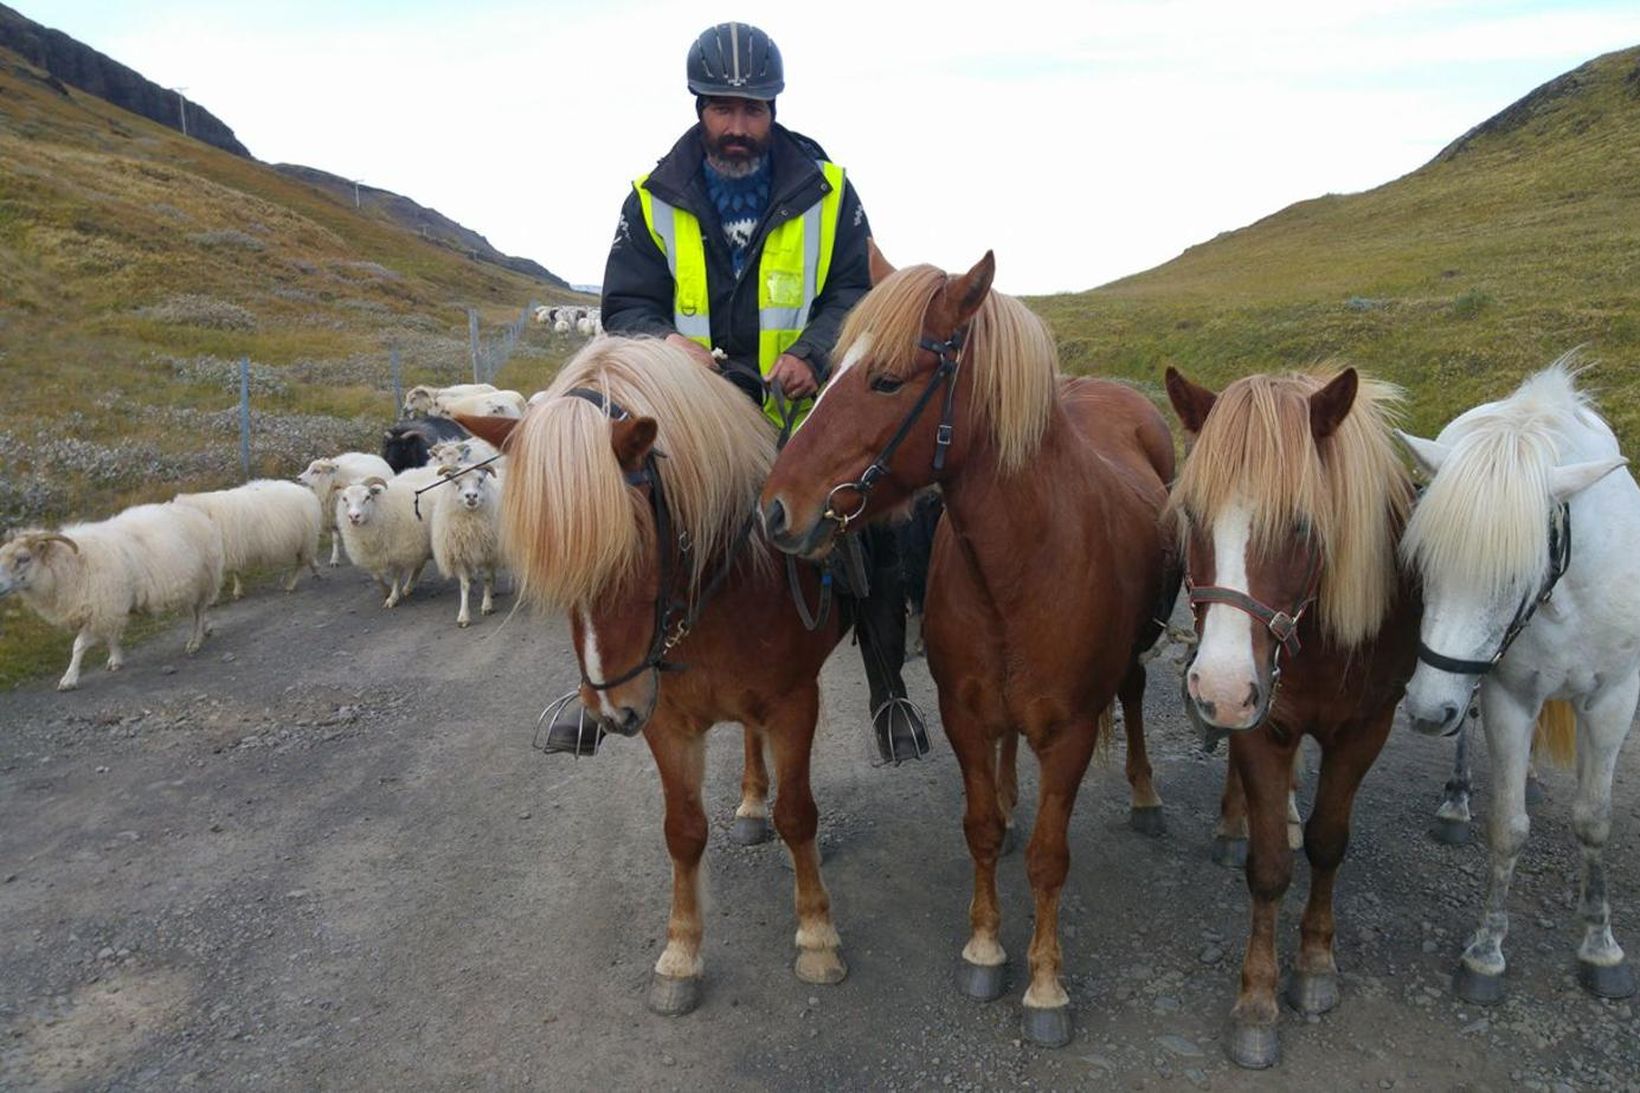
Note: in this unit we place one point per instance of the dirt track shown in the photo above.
(322, 855)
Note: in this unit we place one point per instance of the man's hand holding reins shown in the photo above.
(794, 376)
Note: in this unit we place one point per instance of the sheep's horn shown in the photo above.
(446, 471)
(374, 480)
(54, 537)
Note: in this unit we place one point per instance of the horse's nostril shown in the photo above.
(1252, 696)
(774, 517)
(1448, 712)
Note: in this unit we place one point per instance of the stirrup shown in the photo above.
(896, 748)
(572, 733)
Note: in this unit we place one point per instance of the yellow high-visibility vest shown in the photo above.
(791, 273)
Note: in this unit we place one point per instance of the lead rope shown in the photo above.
(814, 620)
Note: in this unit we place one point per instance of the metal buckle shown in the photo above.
(831, 512)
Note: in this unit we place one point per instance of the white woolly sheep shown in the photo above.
(467, 534)
(420, 399)
(90, 578)
(494, 404)
(328, 477)
(562, 324)
(458, 453)
(267, 522)
(382, 533)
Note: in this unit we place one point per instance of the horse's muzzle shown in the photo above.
(1447, 722)
(813, 543)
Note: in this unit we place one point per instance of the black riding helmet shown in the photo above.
(735, 60)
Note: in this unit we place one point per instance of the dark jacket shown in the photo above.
(638, 289)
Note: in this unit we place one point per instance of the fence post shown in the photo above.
(245, 416)
(398, 392)
(472, 339)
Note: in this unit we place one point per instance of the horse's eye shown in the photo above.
(886, 384)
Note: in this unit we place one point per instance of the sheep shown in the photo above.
(266, 522)
(584, 326)
(543, 314)
(456, 453)
(420, 399)
(327, 477)
(467, 533)
(91, 577)
(494, 404)
(382, 533)
(562, 324)
(405, 443)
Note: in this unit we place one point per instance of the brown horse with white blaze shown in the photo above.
(1048, 572)
(629, 504)
(1290, 506)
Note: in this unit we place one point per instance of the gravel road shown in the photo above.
(322, 855)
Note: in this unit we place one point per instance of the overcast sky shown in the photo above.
(1082, 141)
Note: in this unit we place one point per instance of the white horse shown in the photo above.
(1522, 503)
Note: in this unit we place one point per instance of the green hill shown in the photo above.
(138, 265)
(1516, 243)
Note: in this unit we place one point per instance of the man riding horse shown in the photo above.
(746, 246)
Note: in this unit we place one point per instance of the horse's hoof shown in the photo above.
(750, 830)
(822, 966)
(1048, 1027)
(1147, 820)
(1312, 994)
(673, 997)
(1010, 841)
(1535, 793)
(1606, 980)
(1450, 832)
(982, 982)
(1253, 1047)
(1230, 853)
(1477, 987)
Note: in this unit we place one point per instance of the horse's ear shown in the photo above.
(968, 292)
(1331, 405)
(1191, 402)
(632, 439)
(1427, 455)
(880, 267)
(1574, 478)
(496, 430)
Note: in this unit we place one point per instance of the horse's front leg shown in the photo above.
(1063, 758)
(982, 971)
(1479, 977)
(680, 757)
(1601, 967)
(1345, 760)
(751, 824)
(1145, 811)
(1262, 764)
(1452, 818)
(791, 736)
(1230, 836)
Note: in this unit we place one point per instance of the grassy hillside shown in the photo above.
(137, 266)
(1520, 241)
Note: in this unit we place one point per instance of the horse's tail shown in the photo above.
(1104, 731)
(1556, 734)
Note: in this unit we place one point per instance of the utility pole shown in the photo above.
(182, 108)
(356, 193)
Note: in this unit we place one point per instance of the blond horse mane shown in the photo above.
(571, 526)
(1011, 355)
(1350, 491)
(1484, 517)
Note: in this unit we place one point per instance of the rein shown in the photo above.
(949, 354)
(1560, 559)
(415, 499)
(674, 616)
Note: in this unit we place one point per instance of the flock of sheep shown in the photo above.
(585, 321)
(434, 494)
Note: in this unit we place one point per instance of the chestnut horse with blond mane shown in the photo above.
(1048, 571)
(1290, 505)
(629, 505)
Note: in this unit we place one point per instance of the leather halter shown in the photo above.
(1283, 625)
(674, 617)
(1560, 558)
(949, 356)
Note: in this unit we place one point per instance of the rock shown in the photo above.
(1212, 954)
(1431, 946)
(524, 815)
(229, 658)
(1165, 1004)
(168, 670)
(105, 953)
(1178, 1045)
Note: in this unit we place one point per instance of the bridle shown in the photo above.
(1282, 624)
(675, 617)
(1560, 559)
(949, 356)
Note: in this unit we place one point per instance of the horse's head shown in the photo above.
(1248, 505)
(1490, 539)
(883, 427)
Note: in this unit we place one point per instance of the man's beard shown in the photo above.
(736, 156)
